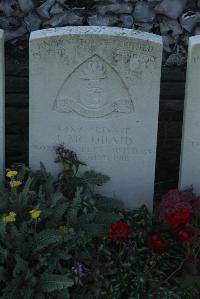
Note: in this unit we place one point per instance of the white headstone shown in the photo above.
(2, 105)
(97, 90)
(190, 156)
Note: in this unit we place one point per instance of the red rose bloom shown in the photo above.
(157, 244)
(120, 231)
(178, 217)
(175, 200)
(186, 234)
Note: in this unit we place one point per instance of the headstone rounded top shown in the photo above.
(96, 30)
(193, 40)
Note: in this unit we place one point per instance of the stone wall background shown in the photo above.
(175, 20)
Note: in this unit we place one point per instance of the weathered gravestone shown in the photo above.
(97, 90)
(2, 105)
(190, 157)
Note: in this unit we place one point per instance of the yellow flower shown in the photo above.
(10, 217)
(12, 214)
(15, 184)
(67, 230)
(11, 173)
(35, 214)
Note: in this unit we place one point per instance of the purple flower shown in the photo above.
(78, 269)
(65, 153)
(59, 149)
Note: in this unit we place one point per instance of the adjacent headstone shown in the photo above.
(2, 105)
(190, 157)
(97, 90)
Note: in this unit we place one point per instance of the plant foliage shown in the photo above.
(60, 238)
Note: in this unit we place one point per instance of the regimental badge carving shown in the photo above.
(94, 89)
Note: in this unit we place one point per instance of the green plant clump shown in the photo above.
(60, 238)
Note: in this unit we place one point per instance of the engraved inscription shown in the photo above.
(195, 60)
(101, 153)
(101, 91)
(99, 143)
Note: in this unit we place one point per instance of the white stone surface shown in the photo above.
(2, 105)
(190, 156)
(97, 90)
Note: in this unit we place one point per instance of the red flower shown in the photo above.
(178, 217)
(186, 234)
(157, 244)
(120, 231)
(175, 200)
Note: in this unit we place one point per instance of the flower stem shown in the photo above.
(178, 269)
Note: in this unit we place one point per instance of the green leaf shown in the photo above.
(27, 293)
(108, 204)
(106, 218)
(65, 256)
(3, 254)
(53, 282)
(59, 212)
(48, 237)
(87, 218)
(26, 188)
(2, 228)
(11, 291)
(75, 207)
(20, 267)
(94, 178)
(43, 169)
(4, 200)
(2, 274)
(56, 198)
(95, 229)
(64, 294)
